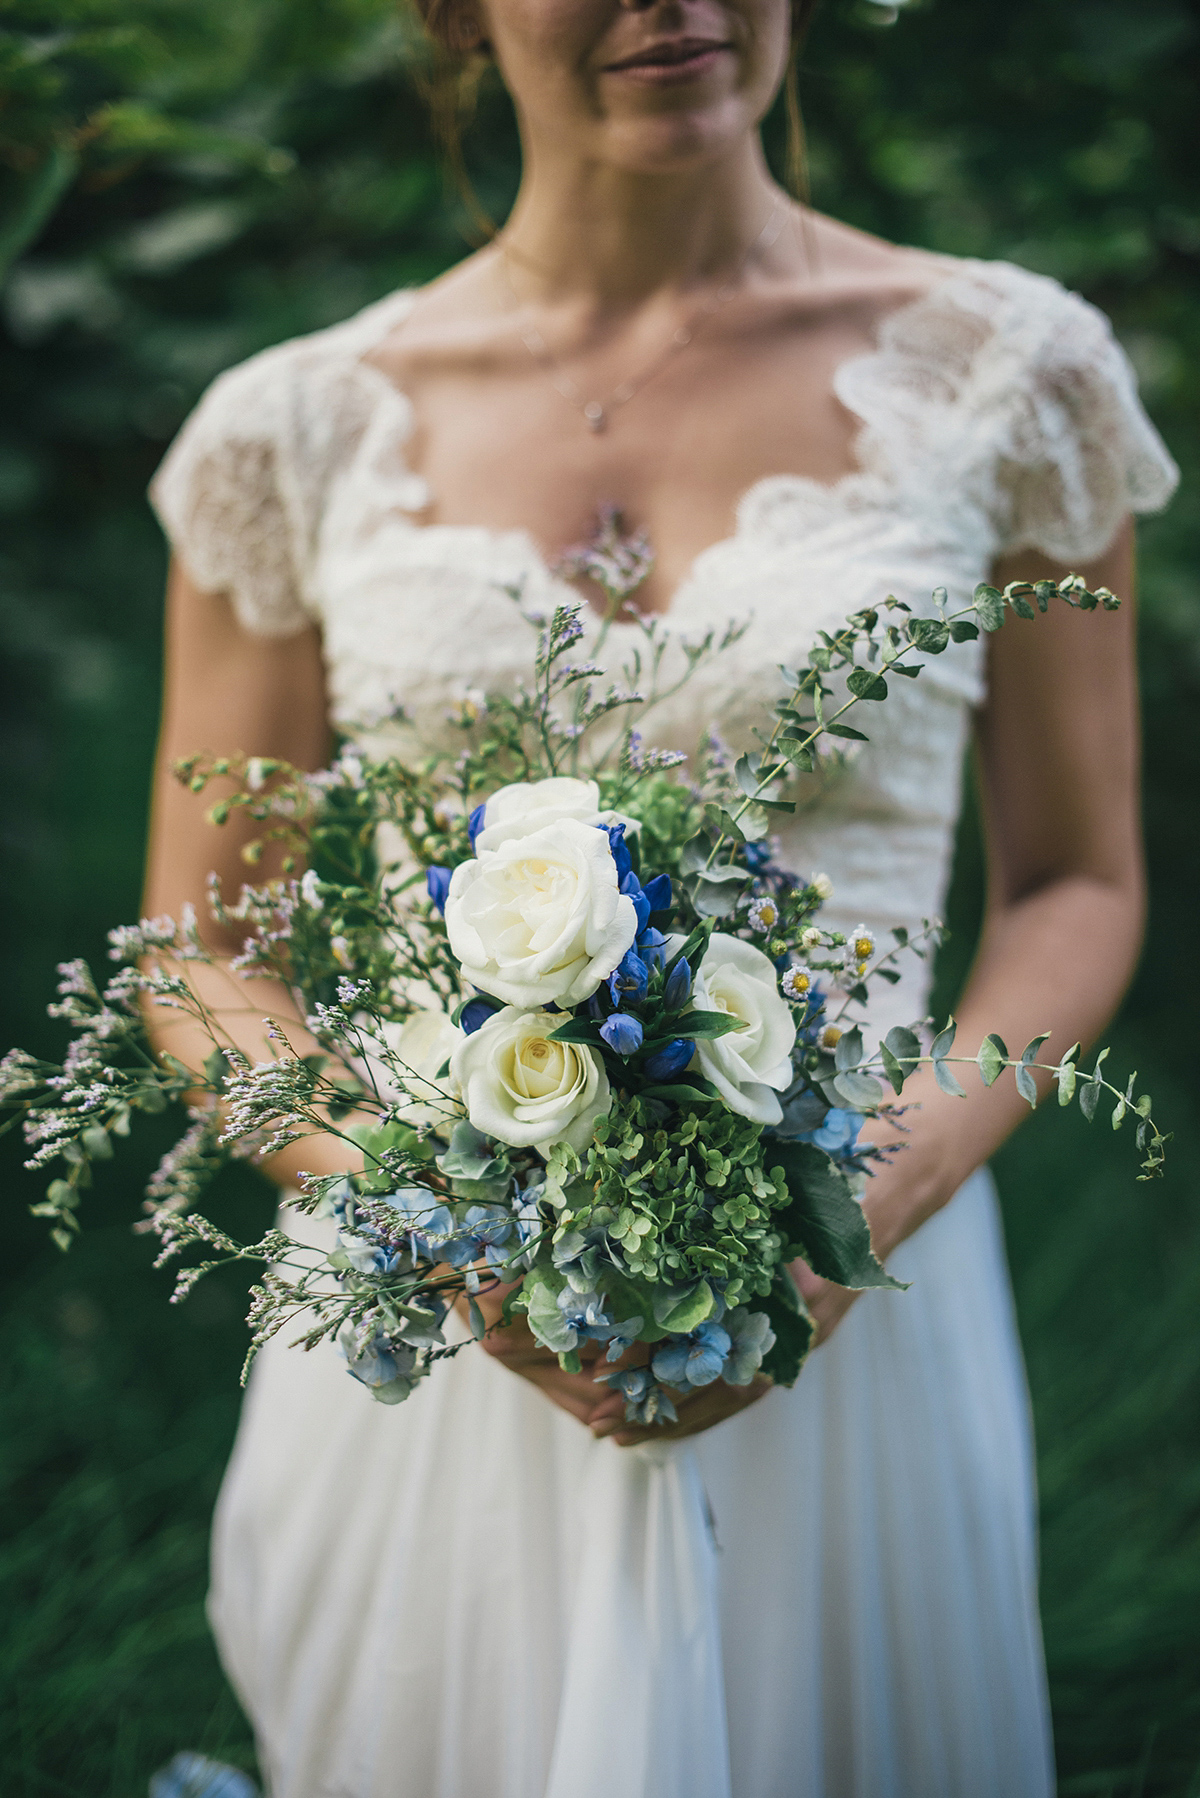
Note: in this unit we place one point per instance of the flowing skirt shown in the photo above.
(831, 1595)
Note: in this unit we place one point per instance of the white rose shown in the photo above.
(541, 919)
(528, 805)
(421, 1045)
(744, 1065)
(520, 1089)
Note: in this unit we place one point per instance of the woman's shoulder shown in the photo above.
(283, 382)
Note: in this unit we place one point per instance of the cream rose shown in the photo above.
(523, 1090)
(540, 919)
(421, 1045)
(745, 1065)
(528, 805)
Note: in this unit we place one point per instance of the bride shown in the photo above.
(491, 1591)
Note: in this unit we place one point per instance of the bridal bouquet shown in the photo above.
(579, 1036)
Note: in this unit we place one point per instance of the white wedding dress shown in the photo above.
(834, 1594)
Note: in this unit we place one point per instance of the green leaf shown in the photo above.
(837, 729)
(1027, 1086)
(865, 683)
(1021, 606)
(745, 772)
(1065, 1073)
(681, 1309)
(861, 1092)
(1089, 1098)
(947, 1080)
(794, 1330)
(963, 631)
(1118, 1116)
(823, 1221)
(904, 1046)
(719, 820)
(1030, 1051)
(892, 1068)
(478, 1327)
(992, 1057)
(929, 634)
(545, 1319)
(577, 1030)
(716, 897)
(989, 606)
(693, 857)
(943, 1042)
(849, 1051)
(799, 757)
(703, 1024)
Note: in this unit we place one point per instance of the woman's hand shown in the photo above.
(698, 1411)
(597, 1405)
(515, 1347)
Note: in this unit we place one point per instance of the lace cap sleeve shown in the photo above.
(226, 497)
(1080, 452)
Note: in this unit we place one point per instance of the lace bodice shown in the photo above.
(997, 413)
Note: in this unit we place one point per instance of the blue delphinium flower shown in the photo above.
(195, 1776)
(694, 1360)
(629, 979)
(678, 989)
(620, 850)
(474, 1014)
(437, 882)
(671, 1060)
(837, 1132)
(658, 892)
(631, 886)
(622, 1033)
(757, 855)
(652, 947)
(475, 822)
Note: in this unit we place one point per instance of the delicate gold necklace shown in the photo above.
(597, 413)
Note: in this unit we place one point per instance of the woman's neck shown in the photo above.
(614, 238)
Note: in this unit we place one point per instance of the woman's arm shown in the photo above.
(1058, 761)
(225, 691)
(1057, 753)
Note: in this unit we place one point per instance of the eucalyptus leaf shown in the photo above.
(947, 1079)
(1027, 1085)
(992, 1058)
(861, 1092)
(849, 1050)
(1089, 1098)
(865, 683)
(989, 606)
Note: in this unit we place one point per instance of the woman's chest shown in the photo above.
(674, 458)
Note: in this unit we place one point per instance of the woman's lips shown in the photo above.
(679, 59)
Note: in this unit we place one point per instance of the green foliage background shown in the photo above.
(184, 181)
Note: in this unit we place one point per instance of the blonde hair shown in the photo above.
(458, 63)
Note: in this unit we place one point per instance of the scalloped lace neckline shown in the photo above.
(829, 493)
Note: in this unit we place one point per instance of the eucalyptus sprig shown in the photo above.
(856, 1079)
(869, 650)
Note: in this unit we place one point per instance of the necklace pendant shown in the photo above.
(595, 415)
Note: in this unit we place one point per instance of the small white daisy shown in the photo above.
(860, 947)
(822, 886)
(763, 915)
(810, 938)
(797, 985)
